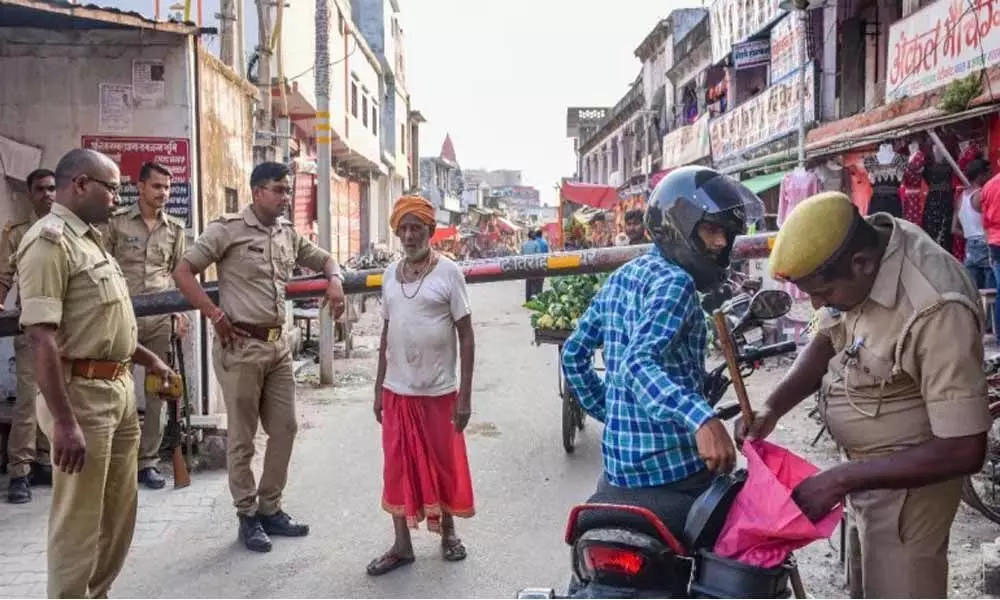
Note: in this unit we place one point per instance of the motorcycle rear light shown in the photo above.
(608, 559)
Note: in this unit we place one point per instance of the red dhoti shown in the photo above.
(426, 470)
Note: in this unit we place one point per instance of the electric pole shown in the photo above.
(228, 50)
(263, 149)
(323, 159)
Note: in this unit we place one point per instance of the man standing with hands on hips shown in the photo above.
(78, 316)
(255, 252)
(148, 244)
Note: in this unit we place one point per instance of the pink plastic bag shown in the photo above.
(765, 524)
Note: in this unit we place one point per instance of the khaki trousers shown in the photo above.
(154, 334)
(904, 540)
(26, 443)
(92, 517)
(258, 385)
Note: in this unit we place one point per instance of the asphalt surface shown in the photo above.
(185, 542)
(525, 485)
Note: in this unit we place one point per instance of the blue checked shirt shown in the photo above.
(648, 318)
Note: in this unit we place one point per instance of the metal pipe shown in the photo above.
(507, 268)
(323, 174)
(802, 86)
(947, 156)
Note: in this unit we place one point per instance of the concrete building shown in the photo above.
(495, 178)
(379, 22)
(442, 183)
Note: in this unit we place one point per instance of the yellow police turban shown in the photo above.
(812, 236)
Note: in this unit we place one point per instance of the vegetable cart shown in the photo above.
(556, 311)
(573, 416)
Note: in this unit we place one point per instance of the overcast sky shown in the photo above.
(498, 76)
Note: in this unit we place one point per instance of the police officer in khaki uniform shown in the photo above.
(898, 360)
(255, 252)
(27, 466)
(148, 244)
(76, 310)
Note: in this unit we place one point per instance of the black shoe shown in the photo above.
(41, 475)
(18, 490)
(151, 478)
(252, 534)
(281, 524)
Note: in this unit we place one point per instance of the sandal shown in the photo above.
(453, 550)
(388, 562)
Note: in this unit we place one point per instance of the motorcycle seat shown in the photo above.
(670, 506)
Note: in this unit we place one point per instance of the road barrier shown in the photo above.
(506, 268)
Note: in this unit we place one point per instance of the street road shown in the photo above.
(524, 482)
(185, 544)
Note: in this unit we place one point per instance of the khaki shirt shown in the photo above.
(909, 360)
(147, 257)
(68, 280)
(254, 263)
(13, 233)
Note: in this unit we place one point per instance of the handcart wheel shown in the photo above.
(570, 420)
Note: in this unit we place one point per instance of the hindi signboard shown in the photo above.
(940, 43)
(733, 21)
(686, 145)
(785, 38)
(131, 152)
(751, 54)
(765, 117)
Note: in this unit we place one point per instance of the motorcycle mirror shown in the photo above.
(765, 305)
(770, 304)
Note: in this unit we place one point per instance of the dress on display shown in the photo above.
(913, 192)
(940, 204)
(886, 178)
(795, 187)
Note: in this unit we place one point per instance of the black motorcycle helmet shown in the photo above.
(688, 196)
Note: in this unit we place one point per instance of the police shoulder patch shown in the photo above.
(52, 230)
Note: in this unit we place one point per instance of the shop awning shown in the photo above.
(901, 126)
(596, 196)
(764, 182)
(444, 233)
(506, 226)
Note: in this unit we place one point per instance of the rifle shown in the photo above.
(188, 436)
(173, 431)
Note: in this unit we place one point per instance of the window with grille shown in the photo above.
(354, 99)
(364, 110)
(232, 200)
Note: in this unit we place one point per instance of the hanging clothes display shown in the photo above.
(940, 204)
(885, 169)
(913, 192)
(796, 187)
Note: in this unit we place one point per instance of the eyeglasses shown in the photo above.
(114, 189)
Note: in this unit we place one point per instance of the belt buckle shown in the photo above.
(90, 369)
(273, 334)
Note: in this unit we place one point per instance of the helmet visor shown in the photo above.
(730, 202)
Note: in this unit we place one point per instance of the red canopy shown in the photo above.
(601, 197)
(446, 233)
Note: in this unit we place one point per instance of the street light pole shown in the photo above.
(323, 165)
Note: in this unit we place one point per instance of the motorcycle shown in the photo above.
(621, 544)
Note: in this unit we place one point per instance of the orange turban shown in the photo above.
(418, 206)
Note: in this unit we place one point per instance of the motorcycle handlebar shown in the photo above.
(768, 351)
